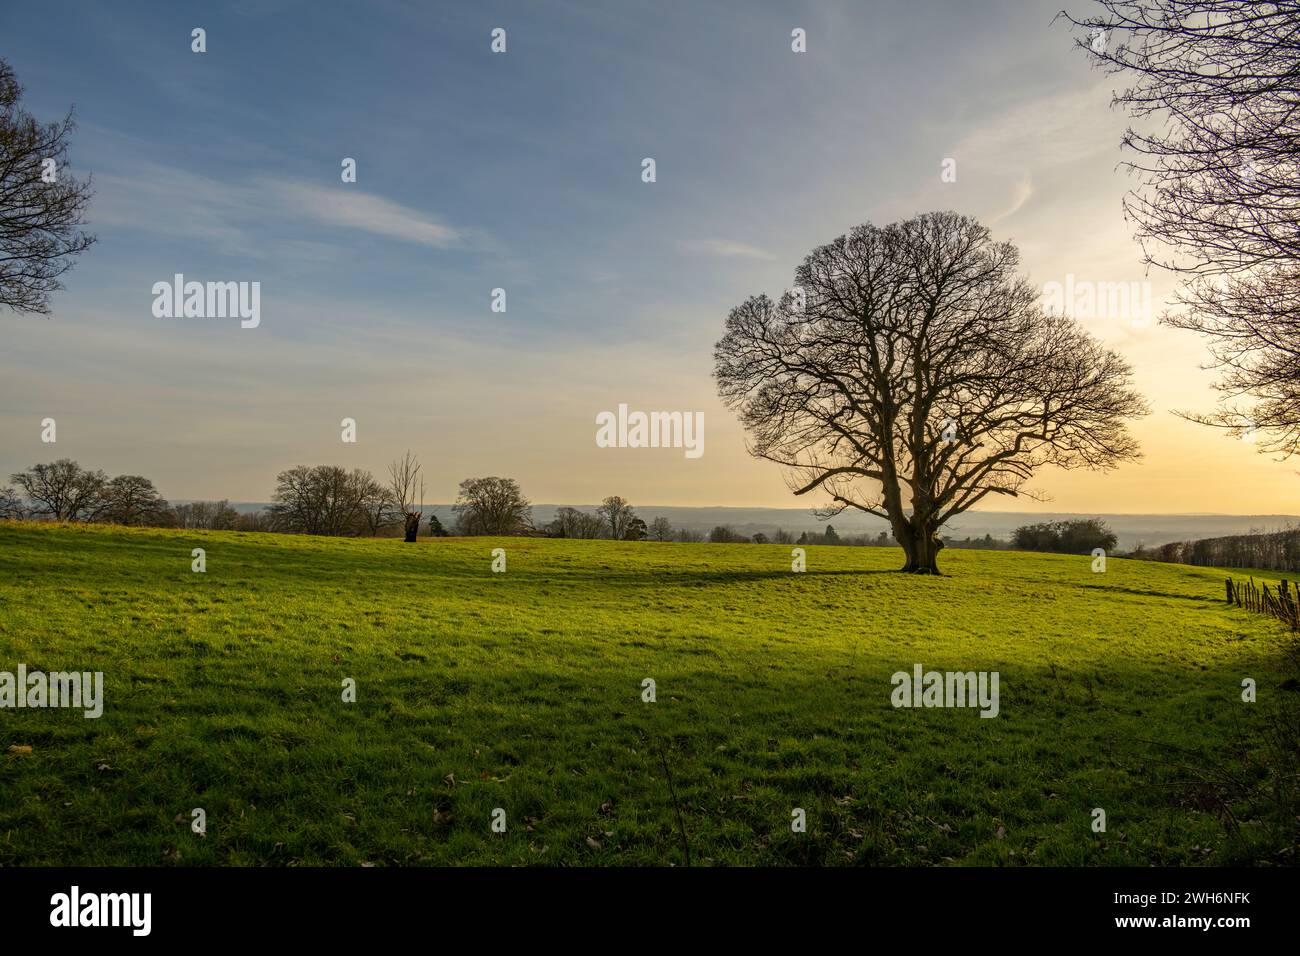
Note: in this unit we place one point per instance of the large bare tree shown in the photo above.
(42, 205)
(1215, 89)
(911, 373)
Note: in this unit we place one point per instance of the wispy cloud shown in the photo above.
(1055, 129)
(1024, 190)
(233, 216)
(724, 249)
(352, 209)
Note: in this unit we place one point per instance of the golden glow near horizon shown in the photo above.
(379, 310)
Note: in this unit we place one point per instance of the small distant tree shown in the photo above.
(760, 538)
(1066, 537)
(206, 515)
(618, 515)
(1086, 535)
(493, 505)
(436, 530)
(297, 501)
(62, 490)
(259, 520)
(782, 537)
(803, 537)
(635, 531)
(11, 506)
(406, 490)
(378, 509)
(830, 535)
(133, 500)
(322, 499)
(1037, 537)
(725, 534)
(564, 524)
(572, 523)
(661, 529)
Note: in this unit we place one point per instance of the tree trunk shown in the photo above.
(412, 526)
(922, 546)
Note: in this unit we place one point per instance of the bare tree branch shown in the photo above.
(41, 203)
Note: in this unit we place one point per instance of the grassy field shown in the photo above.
(523, 691)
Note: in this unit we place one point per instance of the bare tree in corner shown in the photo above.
(41, 203)
(1214, 88)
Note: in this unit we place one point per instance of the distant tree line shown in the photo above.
(985, 543)
(64, 491)
(321, 499)
(335, 501)
(1267, 551)
(615, 518)
(314, 499)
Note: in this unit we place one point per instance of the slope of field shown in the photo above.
(523, 691)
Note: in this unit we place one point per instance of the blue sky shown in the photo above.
(522, 171)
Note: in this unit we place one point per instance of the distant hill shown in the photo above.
(1132, 529)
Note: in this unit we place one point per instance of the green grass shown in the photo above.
(522, 691)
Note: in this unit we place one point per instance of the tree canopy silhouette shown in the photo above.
(911, 373)
(41, 203)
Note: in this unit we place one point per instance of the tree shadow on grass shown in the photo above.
(1147, 592)
(661, 576)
